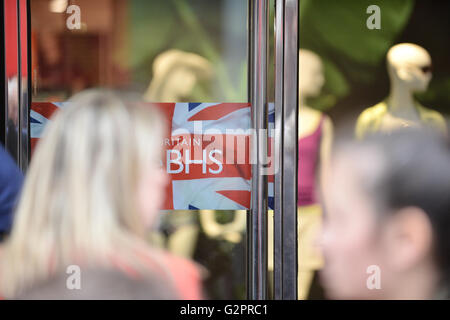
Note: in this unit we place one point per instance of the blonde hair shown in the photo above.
(79, 201)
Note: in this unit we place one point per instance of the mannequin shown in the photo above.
(175, 74)
(315, 139)
(231, 231)
(409, 69)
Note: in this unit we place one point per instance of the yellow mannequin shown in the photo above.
(175, 74)
(409, 69)
(231, 231)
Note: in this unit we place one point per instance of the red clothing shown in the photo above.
(308, 157)
(186, 275)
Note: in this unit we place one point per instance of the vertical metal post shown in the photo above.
(286, 116)
(16, 104)
(290, 149)
(12, 83)
(278, 210)
(23, 94)
(257, 226)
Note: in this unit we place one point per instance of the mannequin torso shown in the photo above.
(409, 69)
(379, 119)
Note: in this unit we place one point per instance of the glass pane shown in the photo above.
(118, 42)
(166, 51)
(349, 81)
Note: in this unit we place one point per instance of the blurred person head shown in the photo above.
(387, 204)
(409, 65)
(93, 187)
(311, 78)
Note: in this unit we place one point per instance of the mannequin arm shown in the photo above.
(209, 224)
(214, 229)
(362, 124)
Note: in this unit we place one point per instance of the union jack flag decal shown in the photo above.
(207, 152)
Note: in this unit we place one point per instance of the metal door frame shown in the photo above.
(16, 136)
(286, 152)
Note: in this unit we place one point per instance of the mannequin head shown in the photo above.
(175, 74)
(409, 65)
(310, 72)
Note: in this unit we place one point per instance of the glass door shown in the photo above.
(185, 56)
(209, 63)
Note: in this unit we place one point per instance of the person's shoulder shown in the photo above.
(188, 275)
(173, 262)
(4, 155)
(183, 265)
(9, 169)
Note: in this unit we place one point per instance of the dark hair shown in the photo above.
(415, 172)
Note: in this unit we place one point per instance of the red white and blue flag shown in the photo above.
(207, 153)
